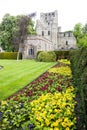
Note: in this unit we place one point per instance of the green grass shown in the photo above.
(16, 74)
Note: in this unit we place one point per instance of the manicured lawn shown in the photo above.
(16, 74)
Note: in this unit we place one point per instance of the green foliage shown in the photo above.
(10, 55)
(46, 103)
(7, 29)
(84, 30)
(13, 31)
(62, 54)
(79, 71)
(47, 56)
(77, 30)
(82, 41)
(59, 55)
(31, 29)
(14, 113)
(50, 111)
(80, 32)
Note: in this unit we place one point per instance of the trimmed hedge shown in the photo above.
(46, 56)
(10, 55)
(78, 61)
(62, 54)
(59, 54)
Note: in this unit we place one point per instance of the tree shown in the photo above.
(77, 31)
(84, 30)
(25, 27)
(80, 32)
(7, 30)
(31, 29)
(14, 30)
(82, 41)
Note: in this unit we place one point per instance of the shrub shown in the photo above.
(62, 54)
(79, 72)
(47, 56)
(10, 55)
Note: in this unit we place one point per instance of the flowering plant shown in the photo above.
(65, 61)
(54, 111)
(63, 70)
(47, 103)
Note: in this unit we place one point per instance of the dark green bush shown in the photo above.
(46, 56)
(10, 55)
(79, 71)
(62, 54)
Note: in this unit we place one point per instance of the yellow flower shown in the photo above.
(44, 114)
(59, 120)
(3, 102)
(54, 124)
(56, 128)
(67, 128)
(69, 112)
(50, 110)
(51, 129)
(47, 122)
(64, 124)
(39, 108)
(66, 119)
(39, 118)
(51, 116)
(64, 70)
(42, 125)
(64, 61)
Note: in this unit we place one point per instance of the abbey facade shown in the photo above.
(49, 37)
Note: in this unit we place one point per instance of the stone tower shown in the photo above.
(47, 27)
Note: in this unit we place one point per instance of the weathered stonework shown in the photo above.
(47, 26)
(49, 37)
(66, 40)
(33, 44)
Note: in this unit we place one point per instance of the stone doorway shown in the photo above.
(32, 52)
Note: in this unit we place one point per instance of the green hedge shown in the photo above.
(62, 54)
(10, 55)
(46, 56)
(59, 54)
(79, 71)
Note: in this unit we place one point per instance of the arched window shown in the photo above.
(66, 42)
(48, 32)
(42, 33)
(31, 51)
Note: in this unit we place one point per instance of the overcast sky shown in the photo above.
(70, 12)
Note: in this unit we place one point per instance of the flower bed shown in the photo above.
(54, 111)
(45, 104)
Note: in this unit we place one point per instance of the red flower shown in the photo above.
(59, 88)
(44, 87)
(50, 81)
(15, 98)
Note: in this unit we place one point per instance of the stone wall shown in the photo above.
(66, 40)
(33, 44)
(49, 37)
(47, 26)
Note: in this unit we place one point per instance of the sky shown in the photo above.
(70, 12)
